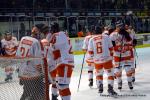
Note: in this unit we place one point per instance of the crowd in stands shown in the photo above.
(76, 4)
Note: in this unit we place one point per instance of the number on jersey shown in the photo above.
(24, 52)
(99, 47)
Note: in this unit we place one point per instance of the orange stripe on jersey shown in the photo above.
(56, 54)
(61, 70)
(117, 59)
(53, 73)
(27, 42)
(65, 92)
(90, 52)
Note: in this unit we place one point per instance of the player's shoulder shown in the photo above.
(105, 36)
(114, 32)
(94, 37)
(59, 34)
(28, 39)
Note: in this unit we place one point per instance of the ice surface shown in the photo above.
(13, 91)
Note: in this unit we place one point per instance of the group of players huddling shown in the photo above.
(110, 50)
(105, 48)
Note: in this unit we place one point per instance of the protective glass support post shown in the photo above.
(18, 33)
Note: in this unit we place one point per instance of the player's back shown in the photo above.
(101, 45)
(60, 43)
(29, 47)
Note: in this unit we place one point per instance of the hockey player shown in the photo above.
(2, 50)
(30, 72)
(9, 44)
(87, 58)
(61, 52)
(100, 49)
(108, 30)
(131, 31)
(122, 56)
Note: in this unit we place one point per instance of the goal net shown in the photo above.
(15, 87)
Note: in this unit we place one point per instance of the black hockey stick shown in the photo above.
(135, 55)
(81, 72)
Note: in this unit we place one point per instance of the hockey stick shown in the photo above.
(135, 55)
(81, 72)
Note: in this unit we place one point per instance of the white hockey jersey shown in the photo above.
(100, 47)
(62, 50)
(88, 59)
(122, 48)
(29, 47)
(50, 59)
(10, 46)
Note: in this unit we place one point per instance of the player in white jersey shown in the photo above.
(130, 30)
(100, 48)
(62, 55)
(122, 54)
(9, 44)
(30, 73)
(87, 58)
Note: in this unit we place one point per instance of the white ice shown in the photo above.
(13, 91)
